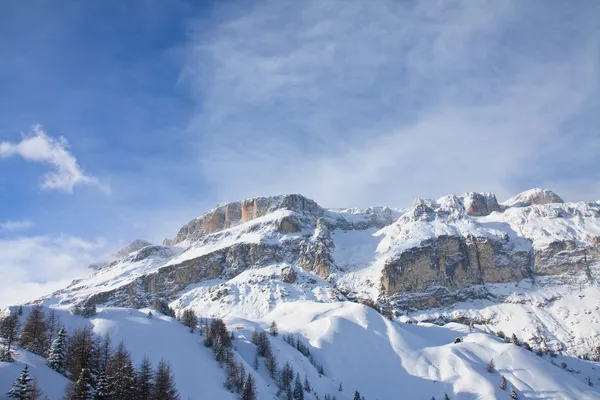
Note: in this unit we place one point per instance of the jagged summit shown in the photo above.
(229, 215)
(533, 196)
(134, 246)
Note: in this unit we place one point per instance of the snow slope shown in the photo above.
(358, 348)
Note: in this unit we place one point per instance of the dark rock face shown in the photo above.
(480, 204)
(455, 262)
(316, 252)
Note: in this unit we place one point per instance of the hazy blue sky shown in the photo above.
(123, 120)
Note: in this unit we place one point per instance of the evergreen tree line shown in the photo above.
(37, 333)
(290, 384)
(100, 372)
(295, 342)
(219, 340)
(95, 369)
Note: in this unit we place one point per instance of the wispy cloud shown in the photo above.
(16, 225)
(355, 102)
(35, 266)
(42, 148)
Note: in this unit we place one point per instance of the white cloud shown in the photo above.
(39, 147)
(31, 267)
(356, 103)
(16, 225)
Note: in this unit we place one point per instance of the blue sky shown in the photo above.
(123, 120)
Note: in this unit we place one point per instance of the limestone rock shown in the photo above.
(232, 214)
(533, 196)
(480, 204)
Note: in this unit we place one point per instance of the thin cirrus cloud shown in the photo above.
(12, 226)
(42, 148)
(361, 103)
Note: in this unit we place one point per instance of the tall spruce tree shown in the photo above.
(249, 392)
(83, 388)
(356, 395)
(21, 387)
(144, 380)
(57, 357)
(121, 375)
(53, 325)
(307, 384)
(165, 383)
(105, 352)
(102, 387)
(298, 389)
(9, 331)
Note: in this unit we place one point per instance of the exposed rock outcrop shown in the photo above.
(480, 204)
(232, 214)
(533, 196)
(455, 262)
(316, 252)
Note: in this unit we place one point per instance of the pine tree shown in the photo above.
(513, 393)
(57, 357)
(255, 363)
(53, 325)
(249, 392)
(356, 395)
(298, 390)
(105, 352)
(241, 379)
(271, 365)
(102, 387)
(491, 367)
(514, 340)
(21, 387)
(20, 311)
(189, 319)
(273, 329)
(307, 384)
(34, 335)
(340, 387)
(502, 382)
(121, 374)
(232, 376)
(35, 393)
(288, 393)
(83, 389)
(150, 315)
(164, 388)
(81, 351)
(9, 331)
(144, 380)
(446, 397)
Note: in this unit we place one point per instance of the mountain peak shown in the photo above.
(228, 215)
(136, 245)
(533, 196)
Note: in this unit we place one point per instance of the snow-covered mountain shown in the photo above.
(378, 294)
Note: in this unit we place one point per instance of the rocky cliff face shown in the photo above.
(433, 253)
(232, 214)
